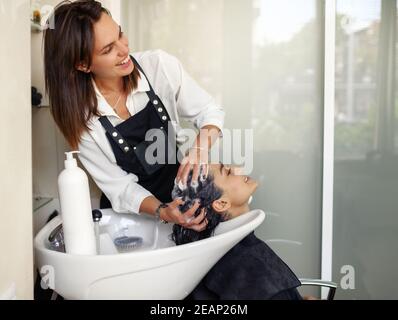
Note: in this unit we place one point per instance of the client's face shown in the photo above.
(225, 195)
(236, 187)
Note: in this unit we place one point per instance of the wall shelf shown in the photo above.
(39, 202)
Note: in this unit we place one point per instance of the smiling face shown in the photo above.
(237, 188)
(110, 57)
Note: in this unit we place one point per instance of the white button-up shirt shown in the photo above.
(182, 97)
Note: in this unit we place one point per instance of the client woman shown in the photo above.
(250, 270)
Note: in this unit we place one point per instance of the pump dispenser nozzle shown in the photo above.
(70, 161)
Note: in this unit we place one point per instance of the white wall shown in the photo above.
(16, 263)
(114, 7)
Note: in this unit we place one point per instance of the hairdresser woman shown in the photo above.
(105, 100)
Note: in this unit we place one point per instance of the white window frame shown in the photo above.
(328, 143)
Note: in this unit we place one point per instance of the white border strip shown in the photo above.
(328, 143)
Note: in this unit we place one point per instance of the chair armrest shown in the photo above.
(321, 283)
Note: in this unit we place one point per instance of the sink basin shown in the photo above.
(156, 269)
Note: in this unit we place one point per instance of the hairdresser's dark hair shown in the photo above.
(206, 192)
(68, 43)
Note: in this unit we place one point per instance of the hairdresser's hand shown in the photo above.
(186, 219)
(196, 157)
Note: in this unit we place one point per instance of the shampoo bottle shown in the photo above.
(74, 196)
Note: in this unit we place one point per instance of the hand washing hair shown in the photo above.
(206, 192)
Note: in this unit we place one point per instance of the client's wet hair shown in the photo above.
(206, 191)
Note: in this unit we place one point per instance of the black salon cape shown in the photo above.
(249, 271)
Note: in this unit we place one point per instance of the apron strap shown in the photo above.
(156, 102)
(151, 94)
(115, 134)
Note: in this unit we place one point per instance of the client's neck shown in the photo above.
(234, 212)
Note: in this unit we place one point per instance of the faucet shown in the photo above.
(97, 216)
(56, 237)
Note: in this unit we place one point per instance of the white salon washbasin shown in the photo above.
(158, 269)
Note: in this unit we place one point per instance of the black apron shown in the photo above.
(128, 144)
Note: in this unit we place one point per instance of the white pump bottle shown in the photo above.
(77, 221)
